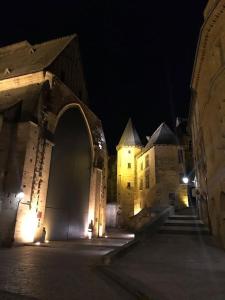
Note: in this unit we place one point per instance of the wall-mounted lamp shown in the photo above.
(185, 179)
(20, 195)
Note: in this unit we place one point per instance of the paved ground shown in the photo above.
(181, 262)
(181, 265)
(63, 270)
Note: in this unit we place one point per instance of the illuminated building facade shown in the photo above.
(207, 118)
(149, 176)
(53, 152)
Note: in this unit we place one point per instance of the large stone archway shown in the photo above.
(61, 157)
(67, 204)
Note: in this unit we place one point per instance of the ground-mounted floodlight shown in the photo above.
(185, 179)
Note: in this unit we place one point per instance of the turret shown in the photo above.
(127, 149)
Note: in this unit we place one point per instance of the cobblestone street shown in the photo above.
(62, 270)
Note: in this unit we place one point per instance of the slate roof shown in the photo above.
(162, 136)
(130, 136)
(23, 58)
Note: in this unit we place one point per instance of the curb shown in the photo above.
(137, 290)
(116, 253)
(147, 230)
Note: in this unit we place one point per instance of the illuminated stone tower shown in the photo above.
(127, 149)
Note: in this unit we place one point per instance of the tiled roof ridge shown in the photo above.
(158, 128)
(13, 47)
(16, 46)
(23, 58)
(69, 37)
(162, 135)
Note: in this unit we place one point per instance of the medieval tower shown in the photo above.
(127, 149)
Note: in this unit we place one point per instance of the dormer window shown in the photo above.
(7, 71)
(32, 50)
(147, 161)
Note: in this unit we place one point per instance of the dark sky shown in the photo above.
(137, 55)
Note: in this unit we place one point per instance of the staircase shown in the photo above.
(184, 222)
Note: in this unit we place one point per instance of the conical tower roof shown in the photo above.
(130, 136)
(162, 136)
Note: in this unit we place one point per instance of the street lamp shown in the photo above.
(185, 179)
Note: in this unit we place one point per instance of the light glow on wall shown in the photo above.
(137, 209)
(90, 217)
(100, 230)
(185, 200)
(29, 226)
(89, 235)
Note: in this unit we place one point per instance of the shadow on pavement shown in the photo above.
(4, 295)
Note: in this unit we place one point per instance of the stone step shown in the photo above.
(183, 230)
(183, 217)
(192, 223)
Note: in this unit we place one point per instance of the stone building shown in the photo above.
(150, 175)
(111, 207)
(53, 153)
(207, 118)
(111, 181)
(184, 139)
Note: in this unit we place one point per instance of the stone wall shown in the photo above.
(146, 179)
(34, 184)
(13, 140)
(126, 179)
(165, 173)
(8, 210)
(207, 119)
(111, 215)
(112, 179)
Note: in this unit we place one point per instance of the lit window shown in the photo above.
(147, 181)
(128, 185)
(141, 184)
(146, 161)
(129, 165)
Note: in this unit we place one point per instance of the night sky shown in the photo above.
(137, 55)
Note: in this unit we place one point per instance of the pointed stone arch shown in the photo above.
(67, 204)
